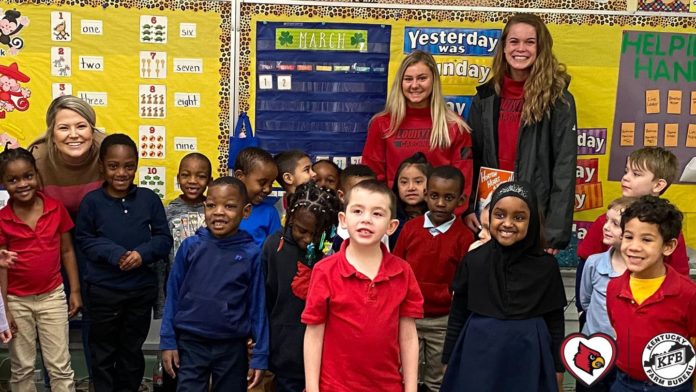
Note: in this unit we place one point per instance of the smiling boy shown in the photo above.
(216, 299)
(256, 168)
(648, 171)
(434, 244)
(651, 298)
(122, 231)
(361, 305)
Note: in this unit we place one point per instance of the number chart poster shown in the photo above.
(463, 44)
(152, 73)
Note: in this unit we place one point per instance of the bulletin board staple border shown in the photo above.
(591, 7)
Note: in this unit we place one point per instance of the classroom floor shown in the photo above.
(82, 384)
(81, 377)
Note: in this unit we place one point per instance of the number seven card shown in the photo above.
(153, 65)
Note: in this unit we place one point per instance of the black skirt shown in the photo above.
(501, 355)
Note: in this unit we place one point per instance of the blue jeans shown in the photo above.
(624, 383)
(225, 360)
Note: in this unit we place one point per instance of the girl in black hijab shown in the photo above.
(506, 323)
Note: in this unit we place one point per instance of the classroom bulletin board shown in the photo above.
(599, 51)
(157, 71)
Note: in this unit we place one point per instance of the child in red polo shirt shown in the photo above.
(650, 298)
(361, 305)
(434, 244)
(648, 171)
(36, 227)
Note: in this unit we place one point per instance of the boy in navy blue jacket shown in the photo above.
(216, 300)
(122, 230)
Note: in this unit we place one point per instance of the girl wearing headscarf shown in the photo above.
(506, 322)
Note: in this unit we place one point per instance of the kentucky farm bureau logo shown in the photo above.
(669, 360)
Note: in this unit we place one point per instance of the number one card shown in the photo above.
(61, 26)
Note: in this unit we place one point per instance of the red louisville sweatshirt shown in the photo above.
(384, 155)
(434, 260)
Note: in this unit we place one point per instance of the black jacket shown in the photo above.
(284, 308)
(546, 157)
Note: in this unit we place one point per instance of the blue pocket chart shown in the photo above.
(318, 85)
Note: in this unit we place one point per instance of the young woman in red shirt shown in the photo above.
(417, 119)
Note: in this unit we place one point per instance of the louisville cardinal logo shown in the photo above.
(588, 359)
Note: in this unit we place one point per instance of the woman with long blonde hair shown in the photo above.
(417, 119)
(523, 120)
(67, 156)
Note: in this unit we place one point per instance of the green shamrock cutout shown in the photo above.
(356, 39)
(285, 38)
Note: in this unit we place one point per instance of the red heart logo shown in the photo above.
(588, 359)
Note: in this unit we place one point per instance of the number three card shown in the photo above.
(60, 89)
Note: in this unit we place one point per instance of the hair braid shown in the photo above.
(322, 203)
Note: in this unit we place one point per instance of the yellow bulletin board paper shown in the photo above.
(105, 55)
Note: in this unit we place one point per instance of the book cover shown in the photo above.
(489, 180)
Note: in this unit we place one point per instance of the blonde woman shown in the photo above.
(416, 119)
(67, 155)
(523, 120)
(67, 158)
